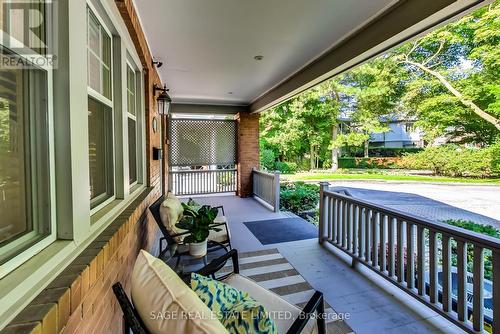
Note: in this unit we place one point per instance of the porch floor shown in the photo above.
(372, 303)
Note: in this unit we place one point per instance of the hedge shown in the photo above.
(455, 161)
(379, 151)
(369, 162)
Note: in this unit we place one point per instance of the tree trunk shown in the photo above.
(335, 150)
(468, 103)
(367, 145)
(311, 160)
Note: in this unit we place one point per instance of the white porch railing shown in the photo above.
(199, 182)
(266, 187)
(424, 258)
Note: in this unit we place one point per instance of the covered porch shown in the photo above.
(109, 131)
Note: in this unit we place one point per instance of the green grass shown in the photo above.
(386, 177)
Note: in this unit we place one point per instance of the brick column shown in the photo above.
(248, 151)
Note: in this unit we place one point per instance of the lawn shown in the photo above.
(385, 177)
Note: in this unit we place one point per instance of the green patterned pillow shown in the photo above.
(236, 310)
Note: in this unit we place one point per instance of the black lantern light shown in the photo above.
(163, 100)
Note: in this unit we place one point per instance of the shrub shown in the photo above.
(267, 159)
(285, 167)
(298, 197)
(369, 162)
(451, 160)
(379, 151)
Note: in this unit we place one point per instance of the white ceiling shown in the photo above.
(208, 46)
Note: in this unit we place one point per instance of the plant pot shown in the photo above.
(198, 249)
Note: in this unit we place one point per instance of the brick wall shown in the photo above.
(248, 151)
(80, 299)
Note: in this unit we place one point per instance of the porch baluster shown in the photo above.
(375, 234)
(433, 293)
(410, 255)
(355, 232)
(421, 260)
(362, 233)
(446, 242)
(478, 289)
(367, 235)
(400, 259)
(390, 232)
(383, 243)
(462, 280)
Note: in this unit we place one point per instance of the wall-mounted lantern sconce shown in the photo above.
(163, 100)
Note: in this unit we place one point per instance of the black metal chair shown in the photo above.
(314, 308)
(169, 238)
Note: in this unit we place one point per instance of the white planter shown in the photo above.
(198, 249)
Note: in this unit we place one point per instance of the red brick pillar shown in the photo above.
(248, 151)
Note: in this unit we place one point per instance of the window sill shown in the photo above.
(99, 219)
(28, 279)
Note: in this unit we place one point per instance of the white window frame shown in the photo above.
(30, 237)
(92, 93)
(135, 118)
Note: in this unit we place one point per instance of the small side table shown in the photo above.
(187, 264)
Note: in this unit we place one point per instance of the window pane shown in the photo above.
(100, 153)
(24, 178)
(99, 57)
(94, 29)
(94, 72)
(106, 59)
(132, 150)
(131, 91)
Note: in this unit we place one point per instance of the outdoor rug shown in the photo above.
(272, 271)
(282, 230)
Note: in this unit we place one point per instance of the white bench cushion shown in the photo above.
(163, 300)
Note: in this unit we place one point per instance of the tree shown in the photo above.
(456, 69)
(448, 81)
(372, 92)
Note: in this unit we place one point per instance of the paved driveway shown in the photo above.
(478, 203)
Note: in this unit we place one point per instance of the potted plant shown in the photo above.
(198, 221)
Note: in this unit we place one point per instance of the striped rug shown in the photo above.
(272, 271)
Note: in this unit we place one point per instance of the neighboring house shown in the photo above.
(402, 133)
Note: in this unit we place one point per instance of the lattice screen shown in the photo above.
(202, 142)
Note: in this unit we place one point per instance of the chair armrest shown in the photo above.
(220, 207)
(314, 306)
(219, 224)
(179, 234)
(218, 263)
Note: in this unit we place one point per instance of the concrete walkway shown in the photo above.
(477, 203)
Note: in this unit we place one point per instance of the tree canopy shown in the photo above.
(448, 80)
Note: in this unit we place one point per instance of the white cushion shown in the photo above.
(279, 309)
(165, 303)
(171, 212)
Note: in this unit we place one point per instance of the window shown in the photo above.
(100, 153)
(100, 113)
(132, 125)
(24, 157)
(98, 56)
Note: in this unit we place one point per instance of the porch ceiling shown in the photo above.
(208, 47)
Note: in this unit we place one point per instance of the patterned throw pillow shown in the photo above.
(236, 310)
